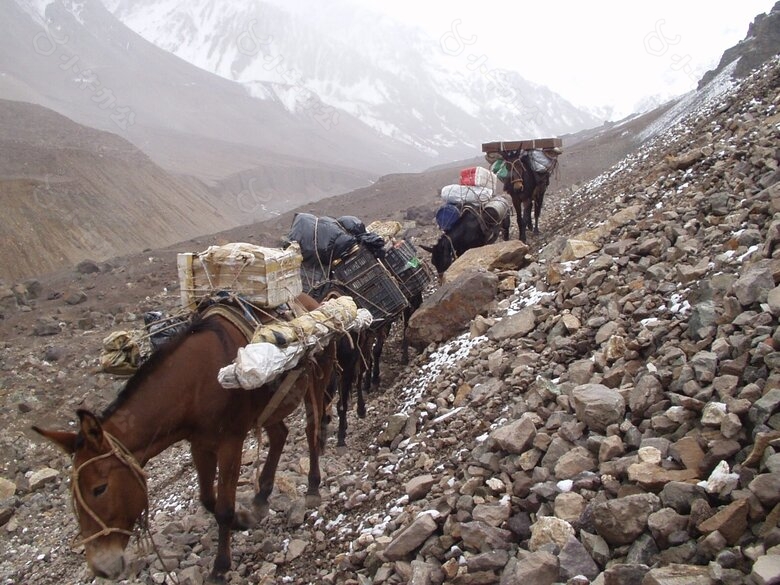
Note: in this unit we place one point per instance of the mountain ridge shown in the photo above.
(392, 77)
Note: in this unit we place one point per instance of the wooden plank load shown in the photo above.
(514, 145)
(266, 277)
(540, 154)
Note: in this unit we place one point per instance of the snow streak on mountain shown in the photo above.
(325, 58)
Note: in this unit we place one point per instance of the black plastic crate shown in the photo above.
(370, 285)
(354, 265)
(414, 282)
(402, 257)
(407, 268)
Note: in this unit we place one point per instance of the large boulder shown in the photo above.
(622, 520)
(754, 284)
(518, 325)
(449, 310)
(509, 255)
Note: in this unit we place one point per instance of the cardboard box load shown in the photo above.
(266, 277)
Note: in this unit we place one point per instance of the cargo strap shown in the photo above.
(276, 400)
(479, 214)
(279, 394)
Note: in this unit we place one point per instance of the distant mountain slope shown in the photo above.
(392, 77)
(70, 193)
(79, 60)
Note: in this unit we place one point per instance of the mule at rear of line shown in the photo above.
(176, 395)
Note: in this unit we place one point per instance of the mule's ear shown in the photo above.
(428, 249)
(90, 428)
(65, 440)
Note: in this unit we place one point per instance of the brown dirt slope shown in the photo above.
(69, 191)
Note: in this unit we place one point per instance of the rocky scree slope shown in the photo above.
(609, 418)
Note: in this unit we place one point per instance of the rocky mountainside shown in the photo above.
(605, 414)
(761, 43)
(100, 196)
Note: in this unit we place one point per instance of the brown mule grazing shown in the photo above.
(176, 396)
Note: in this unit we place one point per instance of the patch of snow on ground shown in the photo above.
(747, 254)
(525, 298)
(444, 358)
(693, 101)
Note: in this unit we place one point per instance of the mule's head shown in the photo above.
(442, 254)
(109, 492)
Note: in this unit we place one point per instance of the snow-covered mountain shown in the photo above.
(323, 59)
(75, 58)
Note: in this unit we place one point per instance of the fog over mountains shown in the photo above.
(394, 78)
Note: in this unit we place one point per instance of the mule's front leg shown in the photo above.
(521, 227)
(342, 407)
(229, 460)
(538, 201)
(205, 462)
(404, 348)
(505, 225)
(313, 416)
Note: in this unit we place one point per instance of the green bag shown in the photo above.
(501, 169)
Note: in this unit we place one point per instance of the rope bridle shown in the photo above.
(516, 176)
(125, 457)
(452, 247)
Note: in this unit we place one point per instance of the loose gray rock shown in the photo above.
(622, 520)
(598, 406)
(754, 284)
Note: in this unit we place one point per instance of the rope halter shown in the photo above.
(125, 457)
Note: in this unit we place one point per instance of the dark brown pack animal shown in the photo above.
(527, 189)
(360, 354)
(473, 229)
(358, 367)
(176, 396)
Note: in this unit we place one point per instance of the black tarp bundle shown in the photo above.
(322, 239)
(373, 242)
(325, 241)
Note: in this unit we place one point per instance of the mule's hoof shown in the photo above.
(245, 519)
(217, 575)
(313, 500)
(361, 411)
(260, 509)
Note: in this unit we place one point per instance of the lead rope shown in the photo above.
(452, 246)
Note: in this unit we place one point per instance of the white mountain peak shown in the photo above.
(323, 58)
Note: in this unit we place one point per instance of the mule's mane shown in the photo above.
(197, 325)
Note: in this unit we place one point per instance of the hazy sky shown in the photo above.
(592, 53)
